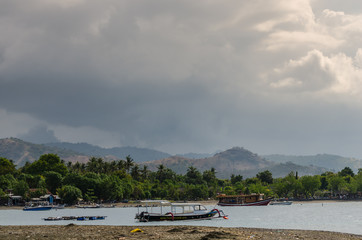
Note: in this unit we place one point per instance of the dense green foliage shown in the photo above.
(6, 166)
(98, 180)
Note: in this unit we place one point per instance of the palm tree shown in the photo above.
(160, 172)
(92, 165)
(145, 172)
(135, 172)
(129, 163)
(121, 165)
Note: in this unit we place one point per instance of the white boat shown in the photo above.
(37, 208)
(175, 211)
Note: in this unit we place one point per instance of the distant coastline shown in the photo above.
(206, 203)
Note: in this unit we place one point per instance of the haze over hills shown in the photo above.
(21, 152)
(332, 162)
(236, 160)
(138, 154)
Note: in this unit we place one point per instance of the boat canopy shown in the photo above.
(153, 202)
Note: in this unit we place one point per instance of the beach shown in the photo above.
(73, 231)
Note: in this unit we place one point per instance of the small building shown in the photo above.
(14, 200)
(51, 199)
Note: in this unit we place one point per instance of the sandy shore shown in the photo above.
(73, 231)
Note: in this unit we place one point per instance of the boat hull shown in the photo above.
(281, 203)
(37, 208)
(257, 203)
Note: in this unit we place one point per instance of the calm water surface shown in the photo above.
(339, 217)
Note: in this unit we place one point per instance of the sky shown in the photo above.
(274, 77)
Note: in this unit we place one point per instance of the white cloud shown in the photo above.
(323, 75)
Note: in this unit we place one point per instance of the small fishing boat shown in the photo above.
(52, 218)
(176, 211)
(37, 208)
(89, 206)
(243, 200)
(85, 218)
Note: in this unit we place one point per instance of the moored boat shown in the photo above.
(85, 218)
(177, 211)
(281, 203)
(243, 200)
(53, 219)
(37, 208)
(89, 206)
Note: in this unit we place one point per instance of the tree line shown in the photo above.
(101, 181)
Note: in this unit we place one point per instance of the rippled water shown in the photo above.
(334, 216)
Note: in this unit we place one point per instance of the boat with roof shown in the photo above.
(243, 200)
(167, 211)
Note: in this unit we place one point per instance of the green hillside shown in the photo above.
(138, 154)
(21, 152)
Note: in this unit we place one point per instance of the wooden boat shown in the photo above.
(37, 208)
(177, 211)
(85, 218)
(52, 218)
(243, 200)
(89, 206)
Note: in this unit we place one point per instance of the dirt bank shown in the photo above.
(73, 231)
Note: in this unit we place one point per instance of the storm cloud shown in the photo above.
(185, 76)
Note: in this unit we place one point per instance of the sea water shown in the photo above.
(328, 216)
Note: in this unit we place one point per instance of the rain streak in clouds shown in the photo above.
(184, 76)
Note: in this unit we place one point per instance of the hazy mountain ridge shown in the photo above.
(233, 161)
(328, 161)
(21, 152)
(137, 154)
(236, 160)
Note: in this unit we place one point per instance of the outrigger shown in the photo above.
(175, 211)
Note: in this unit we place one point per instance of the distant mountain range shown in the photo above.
(237, 160)
(20, 151)
(332, 162)
(138, 154)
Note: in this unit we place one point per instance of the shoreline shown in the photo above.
(207, 202)
(73, 231)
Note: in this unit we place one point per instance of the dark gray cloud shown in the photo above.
(182, 77)
(39, 134)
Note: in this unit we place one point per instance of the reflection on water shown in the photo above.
(334, 216)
